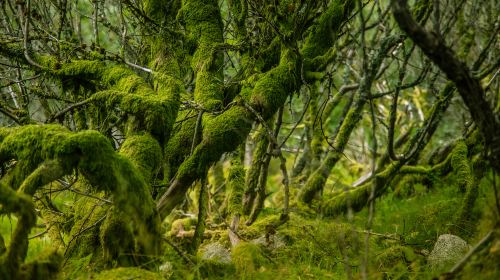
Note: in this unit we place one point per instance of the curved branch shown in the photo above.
(469, 87)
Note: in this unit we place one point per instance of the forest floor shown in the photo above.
(402, 243)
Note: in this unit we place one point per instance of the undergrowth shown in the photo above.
(405, 228)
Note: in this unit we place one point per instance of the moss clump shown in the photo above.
(154, 113)
(272, 89)
(155, 110)
(247, 258)
(180, 225)
(261, 226)
(239, 10)
(145, 153)
(125, 273)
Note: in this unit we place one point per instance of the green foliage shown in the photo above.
(171, 87)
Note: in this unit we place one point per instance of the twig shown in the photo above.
(69, 188)
(40, 233)
(26, 36)
(67, 109)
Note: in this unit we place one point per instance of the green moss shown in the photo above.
(235, 186)
(222, 133)
(252, 176)
(272, 89)
(154, 112)
(204, 23)
(161, 10)
(84, 239)
(145, 153)
(317, 180)
(55, 148)
(179, 145)
(397, 262)
(239, 10)
(180, 225)
(356, 198)
(324, 31)
(213, 269)
(260, 226)
(117, 239)
(86, 69)
(125, 273)
(203, 202)
(47, 172)
(391, 257)
(461, 167)
(247, 258)
(466, 183)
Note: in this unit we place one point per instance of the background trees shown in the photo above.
(115, 113)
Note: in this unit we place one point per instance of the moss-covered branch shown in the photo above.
(235, 185)
(225, 132)
(13, 257)
(317, 180)
(204, 24)
(155, 110)
(356, 198)
(46, 152)
(252, 177)
(469, 87)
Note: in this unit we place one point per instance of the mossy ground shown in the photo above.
(322, 248)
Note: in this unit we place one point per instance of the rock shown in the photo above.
(216, 252)
(274, 242)
(448, 250)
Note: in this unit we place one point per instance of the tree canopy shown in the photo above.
(251, 139)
